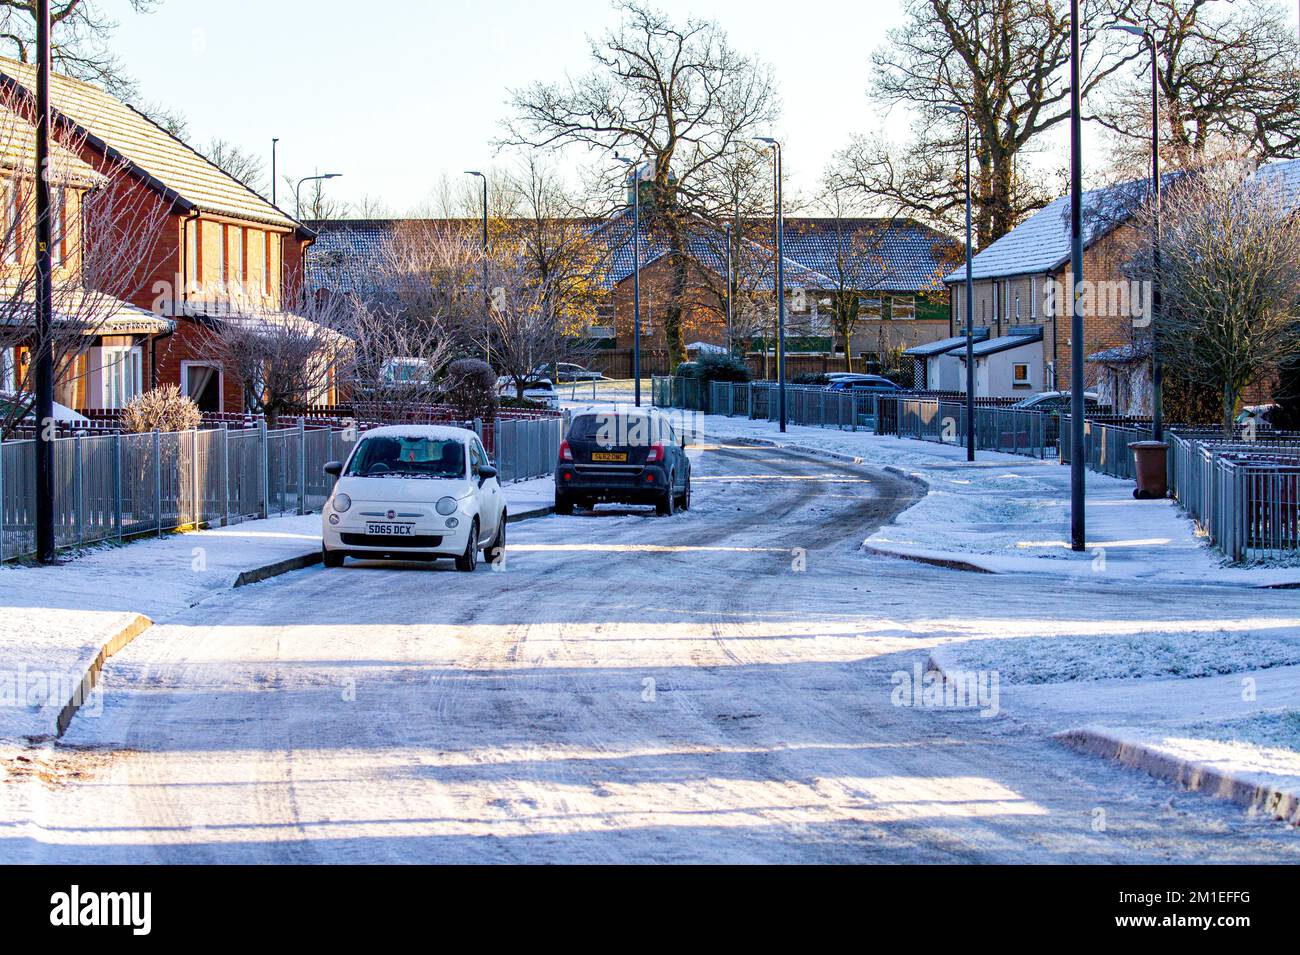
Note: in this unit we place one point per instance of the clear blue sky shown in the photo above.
(393, 94)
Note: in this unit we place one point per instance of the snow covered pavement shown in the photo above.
(716, 686)
(1006, 513)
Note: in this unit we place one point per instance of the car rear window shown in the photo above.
(621, 429)
(408, 457)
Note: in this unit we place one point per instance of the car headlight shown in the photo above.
(341, 502)
(445, 506)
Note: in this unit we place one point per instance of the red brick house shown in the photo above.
(218, 242)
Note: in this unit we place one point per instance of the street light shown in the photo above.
(730, 344)
(487, 301)
(1157, 401)
(970, 300)
(274, 140)
(297, 191)
(636, 167)
(780, 273)
(1078, 538)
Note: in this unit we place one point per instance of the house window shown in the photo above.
(266, 261)
(58, 228)
(240, 256)
(13, 222)
(869, 307)
(8, 373)
(202, 382)
(1017, 305)
(121, 375)
(223, 260)
(1020, 373)
(904, 307)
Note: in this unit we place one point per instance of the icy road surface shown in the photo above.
(713, 687)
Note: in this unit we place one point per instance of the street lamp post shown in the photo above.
(780, 273)
(970, 300)
(487, 300)
(636, 274)
(297, 191)
(1078, 537)
(1157, 399)
(274, 140)
(730, 343)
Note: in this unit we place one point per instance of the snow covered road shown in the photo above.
(712, 687)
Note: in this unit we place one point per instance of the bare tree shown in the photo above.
(79, 42)
(677, 96)
(282, 360)
(104, 231)
(239, 163)
(1228, 81)
(1003, 63)
(1230, 279)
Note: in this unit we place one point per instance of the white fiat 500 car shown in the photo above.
(414, 492)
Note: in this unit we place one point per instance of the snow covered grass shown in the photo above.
(1042, 659)
(1264, 730)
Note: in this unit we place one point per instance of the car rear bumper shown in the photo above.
(646, 483)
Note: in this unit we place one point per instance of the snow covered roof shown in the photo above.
(1017, 339)
(1125, 354)
(1041, 243)
(892, 255)
(943, 345)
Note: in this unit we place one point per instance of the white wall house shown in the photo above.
(938, 364)
(1007, 367)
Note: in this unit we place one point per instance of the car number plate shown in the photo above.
(609, 455)
(391, 530)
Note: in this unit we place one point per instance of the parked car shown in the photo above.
(540, 390)
(567, 372)
(864, 384)
(1057, 401)
(414, 492)
(626, 455)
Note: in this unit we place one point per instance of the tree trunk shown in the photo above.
(680, 265)
(1229, 407)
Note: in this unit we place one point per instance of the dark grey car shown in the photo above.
(625, 455)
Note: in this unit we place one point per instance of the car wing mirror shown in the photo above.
(486, 471)
(334, 468)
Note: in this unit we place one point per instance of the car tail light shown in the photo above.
(656, 453)
(566, 452)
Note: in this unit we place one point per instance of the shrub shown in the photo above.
(162, 409)
(715, 367)
(470, 387)
(810, 378)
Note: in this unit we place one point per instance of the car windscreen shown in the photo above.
(405, 456)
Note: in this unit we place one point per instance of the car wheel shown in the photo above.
(496, 550)
(563, 504)
(331, 558)
(468, 561)
(667, 505)
(686, 494)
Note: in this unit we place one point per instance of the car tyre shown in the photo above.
(330, 558)
(468, 561)
(686, 494)
(667, 505)
(563, 504)
(496, 550)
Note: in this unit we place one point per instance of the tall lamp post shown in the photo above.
(780, 272)
(970, 300)
(1078, 537)
(297, 190)
(274, 141)
(1157, 399)
(635, 168)
(487, 295)
(43, 360)
(730, 342)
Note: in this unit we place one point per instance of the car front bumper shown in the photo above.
(430, 537)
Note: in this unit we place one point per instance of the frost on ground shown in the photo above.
(1280, 731)
(1041, 659)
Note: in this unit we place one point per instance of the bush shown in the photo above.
(470, 387)
(714, 367)
(162, 409)
(810, 378)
